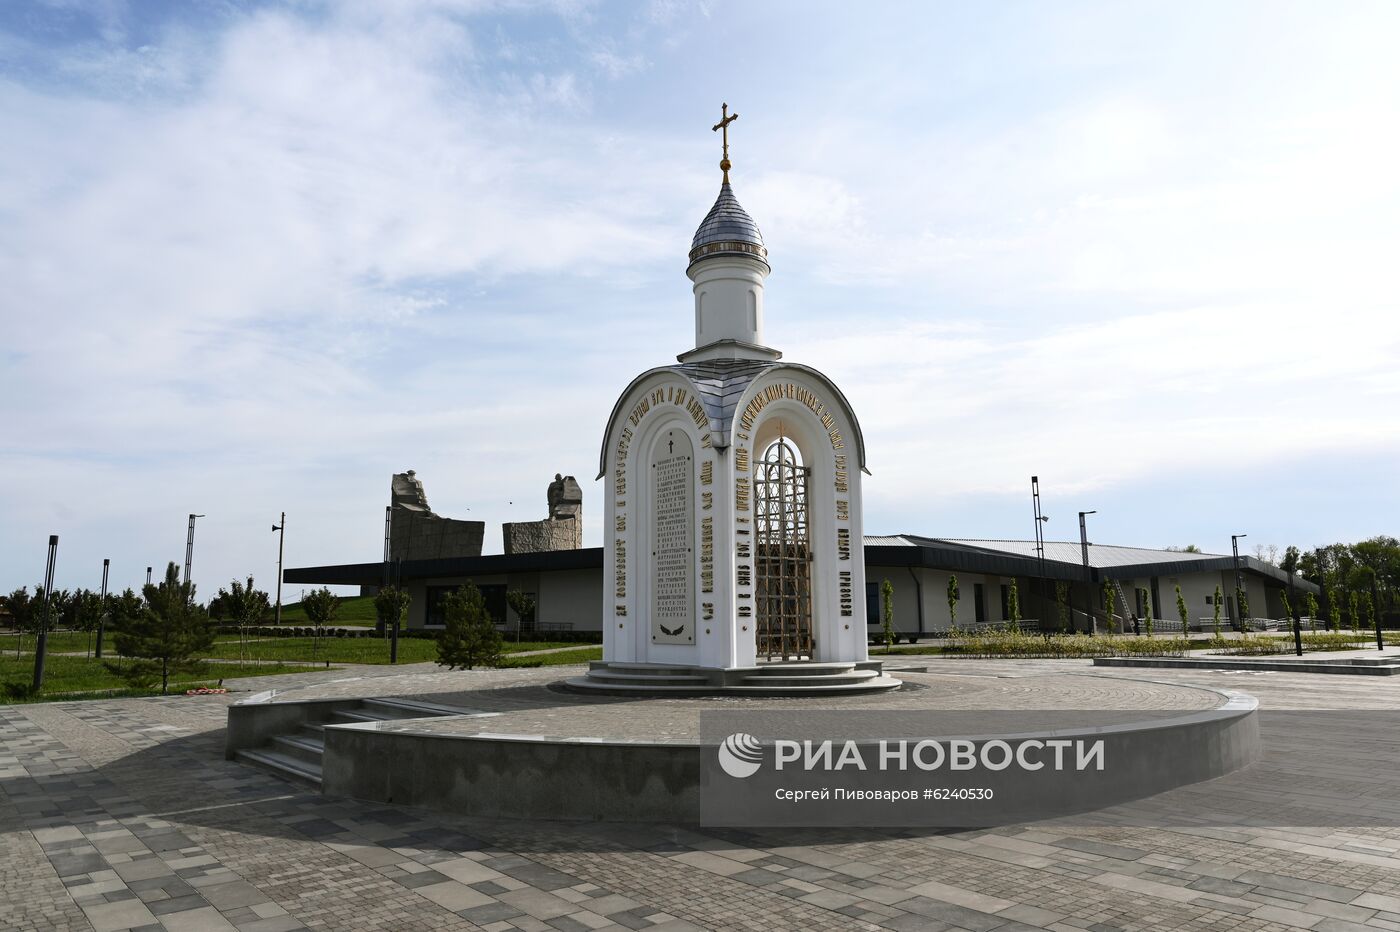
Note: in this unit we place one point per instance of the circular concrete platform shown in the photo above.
(785, 678)
(513, 744)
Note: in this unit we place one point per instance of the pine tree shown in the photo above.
(164, 635)
(469, 636)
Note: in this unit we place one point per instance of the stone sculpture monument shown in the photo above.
(416, 533)
(562, 530)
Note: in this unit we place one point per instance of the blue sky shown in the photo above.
(257, 257)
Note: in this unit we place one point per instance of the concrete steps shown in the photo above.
(288, 768)
(298, 756)
(797, 678)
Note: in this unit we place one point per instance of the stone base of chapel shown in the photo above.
(786, 678)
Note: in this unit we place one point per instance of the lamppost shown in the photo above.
(1040, 520)
(281, 529)
(148, 575)
(41, 646)
(1235, 548)
(102, 619)
(1088, 574)
(189, 548)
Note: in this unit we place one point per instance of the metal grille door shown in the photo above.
(783, 557)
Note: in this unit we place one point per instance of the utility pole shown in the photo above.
(102, 619)
(41, 647)
(281, 529)
(1088, 573)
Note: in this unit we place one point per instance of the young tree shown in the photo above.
(86, 609)
(953, 597)
(887, 612)
(1183, 614)
(1368, 607)
(1108, 605)
(320, 606)
(469, 636)
(390, 603)
(1013, 607)
(1311, 601)
(21, 608)
(245, 606)
(1147, 605)
(1354, 605)
(1215, 604)
(1242, 607)
(1334, 608)
(163, 635)
(1062, 604)
(524, 608)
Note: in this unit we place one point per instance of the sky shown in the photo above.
(257, 257)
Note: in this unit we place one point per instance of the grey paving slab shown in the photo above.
(122, 813)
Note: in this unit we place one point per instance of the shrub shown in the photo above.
(469, 636)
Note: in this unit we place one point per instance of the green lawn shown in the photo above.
(334, 649)
(80, 678)
(354, 611)
(580, 655)
(350, 650)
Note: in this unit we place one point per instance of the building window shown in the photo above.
(1005, 602)
(979, 602)
(493, 594)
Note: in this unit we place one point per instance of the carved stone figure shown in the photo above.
(417, 533)
(562, 530)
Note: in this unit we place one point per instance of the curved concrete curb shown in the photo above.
(541, 777)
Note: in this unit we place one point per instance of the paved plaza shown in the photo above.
(124, 815)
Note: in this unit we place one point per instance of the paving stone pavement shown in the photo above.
(122, 814)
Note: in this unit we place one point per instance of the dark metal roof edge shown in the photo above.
(351, 574)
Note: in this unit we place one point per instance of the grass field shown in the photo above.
(354, 611)
(333, 649)
(79, 678)
(350, 650)
(579, 655)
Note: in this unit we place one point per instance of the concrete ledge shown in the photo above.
(535, 777)
(1357, 667)
(514, 776)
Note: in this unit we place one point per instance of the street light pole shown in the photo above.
(41, 646)
(1088, 574)
(281, 529)
(1040, 520)
(102, 619)
(189, 548)
(1235, 548)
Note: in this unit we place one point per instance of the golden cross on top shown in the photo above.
(723, 124)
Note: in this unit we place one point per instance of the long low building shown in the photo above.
(1056, 591)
